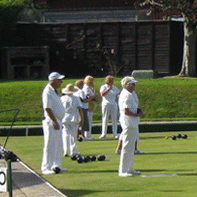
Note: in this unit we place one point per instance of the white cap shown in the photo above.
(131, 82)
(127, 81)
(55, 75)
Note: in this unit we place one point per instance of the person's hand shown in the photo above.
(109, 86)
(56, 125)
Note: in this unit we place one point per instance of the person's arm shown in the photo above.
(103, 93)
(130, 113)
(52, 117)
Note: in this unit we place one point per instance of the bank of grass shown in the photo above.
(162, 157)
(170, 98)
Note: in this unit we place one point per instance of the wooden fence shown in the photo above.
(147, 45)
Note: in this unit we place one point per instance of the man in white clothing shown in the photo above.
(52, 125)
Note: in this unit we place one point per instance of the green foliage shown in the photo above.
(160, 99)
(9, 10)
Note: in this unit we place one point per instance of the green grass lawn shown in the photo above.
(162, 156)
(170, 98)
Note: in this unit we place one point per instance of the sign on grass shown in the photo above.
(3, 179)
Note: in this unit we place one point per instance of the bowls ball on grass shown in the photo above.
(101, 157)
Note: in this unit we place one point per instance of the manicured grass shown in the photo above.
(162, 156)
(170, 98)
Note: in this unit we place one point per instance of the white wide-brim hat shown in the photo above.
(69, 89)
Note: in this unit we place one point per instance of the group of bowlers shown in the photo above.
(71, 111)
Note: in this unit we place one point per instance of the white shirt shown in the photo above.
(71, 104)
(89, 92)
(110, 96)
(81, 94)
(126, 100)
(50, 99)
(137, 102)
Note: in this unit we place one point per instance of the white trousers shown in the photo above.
(52, 148)
(69, 137)
(127, 152)
(109, 110)
(137, 135)
(90, 118)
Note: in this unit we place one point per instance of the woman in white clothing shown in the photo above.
(71, 122)
(109, 106)
(81, 95)
(118, 149)
(89, 90)
(128, 120)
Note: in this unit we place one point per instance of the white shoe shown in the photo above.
(116, 137)
(46, 172)
(102, 136)
(138, 152)
(134, 172)
(126, 174)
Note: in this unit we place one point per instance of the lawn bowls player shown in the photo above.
(52, 125)
(72, 120)
(109, 106)
(89, 90)
(128, 120)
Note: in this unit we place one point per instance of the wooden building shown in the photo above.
(155, 45)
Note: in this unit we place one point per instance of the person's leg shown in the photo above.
(127, 152)
(105, 119)
(57, 152)
(90, 117)
(47, 161)
(66, 135)
(119, 146)
(73, 142)
(136, 142)
(113, 113)
(85, 126)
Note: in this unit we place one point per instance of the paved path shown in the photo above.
(27, 183)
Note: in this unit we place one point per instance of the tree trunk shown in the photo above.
(189, 52)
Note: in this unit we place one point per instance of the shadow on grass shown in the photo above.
(94, 171)
(77, 193)
(163, 153)
(155, 137)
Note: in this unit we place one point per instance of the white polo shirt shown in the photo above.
(81, 94)
(50, 99)
(110, 96)
(126, 100)
(71, 104)
(89, 92)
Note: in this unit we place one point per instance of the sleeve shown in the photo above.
(47, 101)
(102, 88)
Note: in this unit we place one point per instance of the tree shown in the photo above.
(188, 9)
(9, 11)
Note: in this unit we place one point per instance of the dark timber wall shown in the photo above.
(150, 45)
